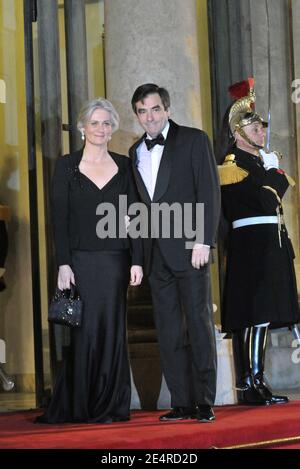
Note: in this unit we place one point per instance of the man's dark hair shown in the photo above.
(150, 88)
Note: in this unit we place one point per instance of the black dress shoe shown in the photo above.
(177, 413)
(263, 389)
(204, 413)
(252, 396)
(275, 399)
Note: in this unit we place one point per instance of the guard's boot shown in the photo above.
(246, 392)
(258, 349)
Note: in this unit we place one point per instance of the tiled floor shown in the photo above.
(12, 401)
(293, 394)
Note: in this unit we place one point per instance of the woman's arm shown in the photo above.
(60, 215)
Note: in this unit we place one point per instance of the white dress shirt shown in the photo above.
(148, 162)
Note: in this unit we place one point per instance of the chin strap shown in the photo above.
(248, 140)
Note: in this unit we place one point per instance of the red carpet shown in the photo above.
(235, 427)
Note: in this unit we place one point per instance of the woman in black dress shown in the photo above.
(94, 383)
(260, 285)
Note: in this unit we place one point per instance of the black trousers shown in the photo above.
(185, 327)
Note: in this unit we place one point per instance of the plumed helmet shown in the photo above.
(242, 111)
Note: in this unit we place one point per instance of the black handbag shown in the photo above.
(66, 308)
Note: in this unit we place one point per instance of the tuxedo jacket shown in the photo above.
(187, 175)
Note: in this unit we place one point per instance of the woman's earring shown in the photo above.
(82, 135)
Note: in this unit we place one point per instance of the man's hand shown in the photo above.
(127, 222)
(136, 275)
(270, 159)
(200, 255)
(65, 277)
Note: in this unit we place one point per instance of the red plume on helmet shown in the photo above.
(242, 112)
(241, 89)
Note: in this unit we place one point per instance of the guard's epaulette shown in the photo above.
(230, 172)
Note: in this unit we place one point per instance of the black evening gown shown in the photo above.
(94, 382)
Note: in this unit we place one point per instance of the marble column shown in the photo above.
(76, 52)
(230, 50)
(283, 137)
(152, 42)
(51, 132)
(295, 26)
(49, 72)
(50, 103)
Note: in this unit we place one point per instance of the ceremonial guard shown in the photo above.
(260, 285)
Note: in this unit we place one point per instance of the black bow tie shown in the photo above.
(159, 140)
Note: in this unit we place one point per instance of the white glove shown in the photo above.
(270, 159)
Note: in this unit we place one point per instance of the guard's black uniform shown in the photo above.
(260, 281)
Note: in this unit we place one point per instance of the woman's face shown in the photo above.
(98, 128)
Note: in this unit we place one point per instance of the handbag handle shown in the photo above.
(70, 293)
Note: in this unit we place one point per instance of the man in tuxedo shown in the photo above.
(173, 164)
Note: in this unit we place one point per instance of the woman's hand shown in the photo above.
(136, 275)
(65, 277)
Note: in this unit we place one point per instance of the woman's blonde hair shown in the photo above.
(98, 103)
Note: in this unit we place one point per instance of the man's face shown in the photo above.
(256, 132)
(152, 115)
